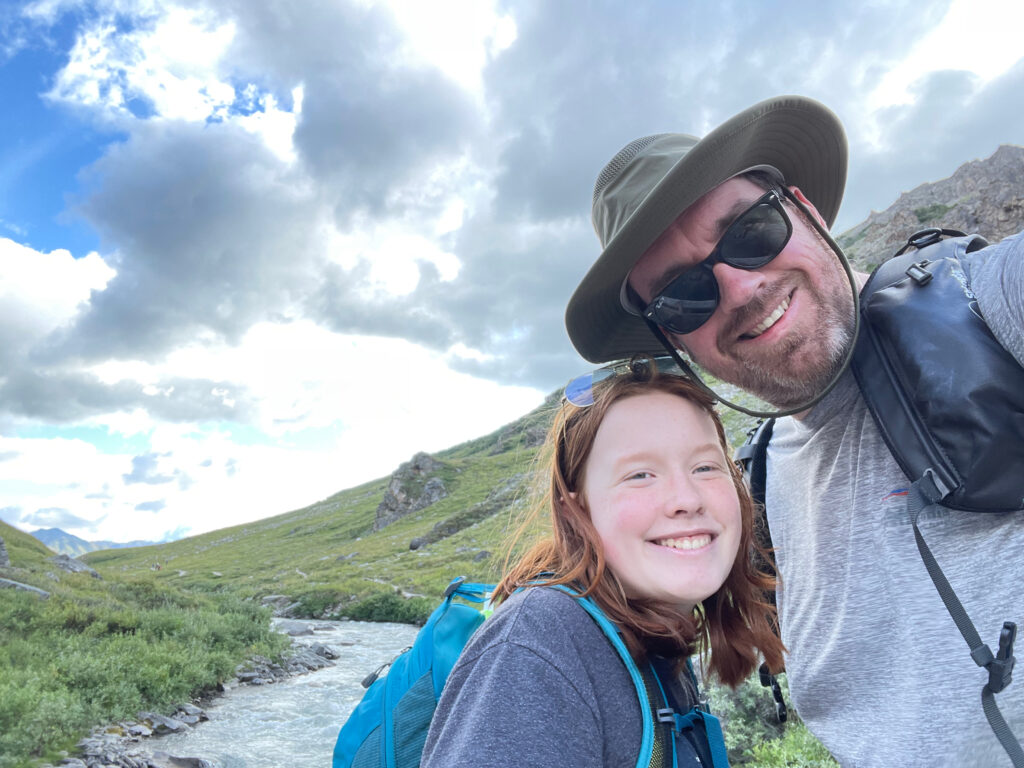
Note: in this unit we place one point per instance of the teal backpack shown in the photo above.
(388, 727)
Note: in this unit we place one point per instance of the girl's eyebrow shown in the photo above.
(644, 453)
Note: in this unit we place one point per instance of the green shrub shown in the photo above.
(796, 749)
(81, 659)
(391, 607)
(755, 738)
(748, 717)
(927, 213)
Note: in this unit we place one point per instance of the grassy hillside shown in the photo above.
(328, 558)
(99, 650)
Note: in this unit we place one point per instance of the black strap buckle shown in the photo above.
(665, 715)
(768, 680)
(1000, 666)
(918, 272)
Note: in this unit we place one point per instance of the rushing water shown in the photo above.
(293, 723)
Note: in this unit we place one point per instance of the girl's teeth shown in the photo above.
(769, 321)
(690, 542)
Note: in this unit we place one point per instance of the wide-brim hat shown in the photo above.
(652, 180)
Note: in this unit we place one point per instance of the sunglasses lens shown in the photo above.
(580, 391)
(751, 241)
(687, 302)
(755, 238)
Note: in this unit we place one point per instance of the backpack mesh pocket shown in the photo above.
(369, 752)
(412, 720)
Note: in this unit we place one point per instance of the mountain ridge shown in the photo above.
(64, 543)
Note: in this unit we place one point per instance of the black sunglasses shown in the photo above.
(753, 239)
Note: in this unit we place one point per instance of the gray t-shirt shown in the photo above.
(540, 685)
(877, 668)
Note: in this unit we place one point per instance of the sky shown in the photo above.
(254, 252)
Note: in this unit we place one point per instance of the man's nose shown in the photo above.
(736, 287)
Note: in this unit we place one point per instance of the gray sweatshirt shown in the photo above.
(537, 686)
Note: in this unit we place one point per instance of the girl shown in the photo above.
(652, 521)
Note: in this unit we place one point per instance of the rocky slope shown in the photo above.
(983, 196)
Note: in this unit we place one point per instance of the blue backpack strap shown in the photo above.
(711, 728)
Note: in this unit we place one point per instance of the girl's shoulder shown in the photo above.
(547, 621)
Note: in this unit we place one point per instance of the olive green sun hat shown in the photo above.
(653, 179)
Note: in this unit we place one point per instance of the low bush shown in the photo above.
(73, 661)
(392, 607)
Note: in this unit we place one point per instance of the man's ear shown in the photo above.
(809, 205)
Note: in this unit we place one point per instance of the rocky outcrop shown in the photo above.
(8, 584)
(415, 485)
(71, 565)
(499, 500)
(982, 196)
(5, 561)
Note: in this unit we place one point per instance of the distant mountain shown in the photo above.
(65, 543)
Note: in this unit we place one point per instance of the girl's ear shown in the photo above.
(572, 496)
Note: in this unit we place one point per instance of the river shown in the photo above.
(295, 722)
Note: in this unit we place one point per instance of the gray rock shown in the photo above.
(327, 651)
(418, 542)
(5, 561)
(71, 565)
(481, 555)
(8, 584)
(164, 760)
(294, 628)
(163, 725)
(982, 196)
(415, 485)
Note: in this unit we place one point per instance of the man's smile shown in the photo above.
(769, 321)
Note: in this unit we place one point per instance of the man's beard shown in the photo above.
(785, 380)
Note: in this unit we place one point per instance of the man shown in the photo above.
(722, 244)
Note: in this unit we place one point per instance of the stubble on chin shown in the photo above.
(798, 368)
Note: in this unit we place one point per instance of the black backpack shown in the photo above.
(950, 407)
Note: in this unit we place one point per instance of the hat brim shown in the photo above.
(799, 136)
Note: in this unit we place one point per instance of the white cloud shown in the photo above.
(39, 292)
(456, 36)
(977, 36)
(171, 62)
(172, 65)
(334, 411)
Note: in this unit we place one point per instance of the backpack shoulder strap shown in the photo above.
(890, 336)
(615, 638)
(648, 756)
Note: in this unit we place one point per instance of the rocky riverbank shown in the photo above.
(136, 743)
